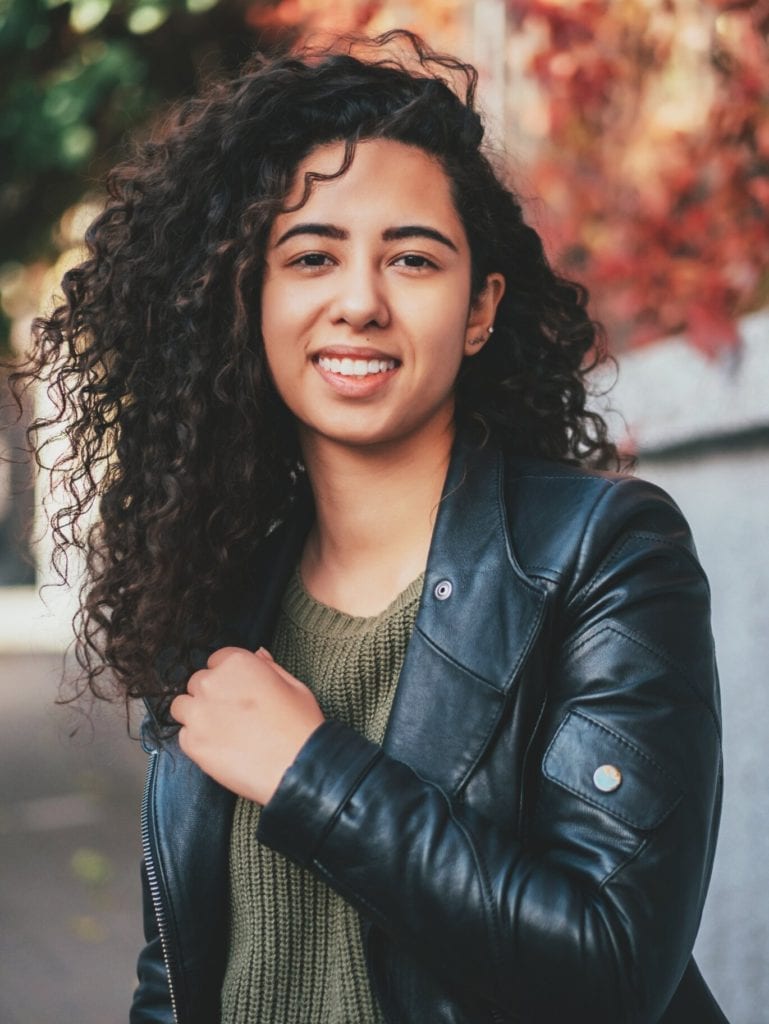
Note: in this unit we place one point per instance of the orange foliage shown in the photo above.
(308, 15)
(654, 162)
(435, 19)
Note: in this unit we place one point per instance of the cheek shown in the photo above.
(442, 327)
(280, 330)
(272, 308)
(288, 310)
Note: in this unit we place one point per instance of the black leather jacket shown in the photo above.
(564, 626)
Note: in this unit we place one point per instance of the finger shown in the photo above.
(195, 682)
(222, 654)
(284, 673)
(183, 738)
(264, 654)
(180, 706)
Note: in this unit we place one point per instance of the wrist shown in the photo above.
(314, 788)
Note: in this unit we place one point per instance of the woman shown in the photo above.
(444, 739)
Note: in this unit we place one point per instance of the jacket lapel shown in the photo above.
(477, 619)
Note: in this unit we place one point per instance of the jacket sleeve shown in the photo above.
(152, 998)
(592, 915)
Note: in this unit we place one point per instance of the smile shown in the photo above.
(356, 367)
(358, 376)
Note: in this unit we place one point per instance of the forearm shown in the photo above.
(456, 890)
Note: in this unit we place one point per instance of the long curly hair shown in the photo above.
(175, 436)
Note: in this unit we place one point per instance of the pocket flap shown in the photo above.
(610, 772)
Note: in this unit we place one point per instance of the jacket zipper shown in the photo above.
(152, 878)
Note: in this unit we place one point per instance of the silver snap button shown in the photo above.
(443, 590)
(607, 778)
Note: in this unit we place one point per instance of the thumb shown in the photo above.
(265, 655)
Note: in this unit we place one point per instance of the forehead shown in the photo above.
(386, 180)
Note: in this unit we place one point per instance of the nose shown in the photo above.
(360, 300)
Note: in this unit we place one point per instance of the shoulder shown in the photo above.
(562, 518)
(617, 555)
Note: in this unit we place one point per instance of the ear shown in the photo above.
(480, 321)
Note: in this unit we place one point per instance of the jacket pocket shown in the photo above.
(609, 772)
(601, 799)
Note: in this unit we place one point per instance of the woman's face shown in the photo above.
(366, 298)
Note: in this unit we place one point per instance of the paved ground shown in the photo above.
(69, 854)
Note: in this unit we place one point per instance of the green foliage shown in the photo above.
(53, 122)
(77, 76)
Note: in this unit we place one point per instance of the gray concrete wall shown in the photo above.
(725, 496)
(702, 429)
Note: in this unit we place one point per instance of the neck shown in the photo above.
(375, 512)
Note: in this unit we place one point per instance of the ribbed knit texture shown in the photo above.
(295, 954)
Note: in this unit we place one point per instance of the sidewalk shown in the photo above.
(70, 902)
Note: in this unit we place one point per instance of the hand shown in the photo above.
(244, 720)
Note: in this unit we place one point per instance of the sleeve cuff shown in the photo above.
(314, 789)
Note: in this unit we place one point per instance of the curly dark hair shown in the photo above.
(156, 366)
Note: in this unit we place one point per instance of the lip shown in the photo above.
(354, 387)
(351, 352)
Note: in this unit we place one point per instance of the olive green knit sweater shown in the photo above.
(295, 954)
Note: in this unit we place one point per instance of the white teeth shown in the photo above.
(356, 367)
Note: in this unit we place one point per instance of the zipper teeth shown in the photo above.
(152, 879)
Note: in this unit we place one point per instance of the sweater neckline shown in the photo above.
(314, 616)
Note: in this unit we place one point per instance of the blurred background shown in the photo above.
(637, 133)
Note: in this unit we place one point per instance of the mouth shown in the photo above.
(355, 372)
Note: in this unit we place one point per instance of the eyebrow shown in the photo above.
(388, 235)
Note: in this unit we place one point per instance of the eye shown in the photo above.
(312, 260)
(414, 261)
